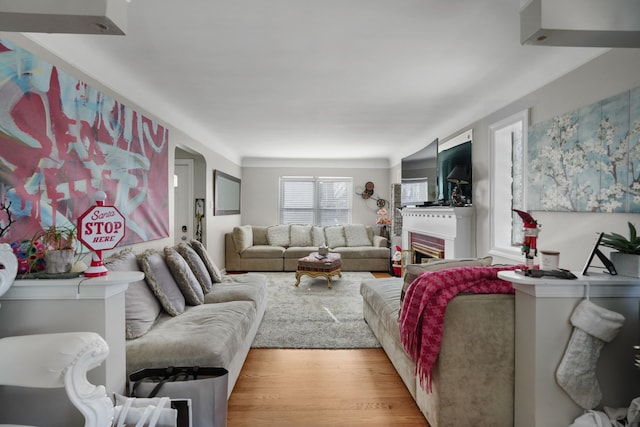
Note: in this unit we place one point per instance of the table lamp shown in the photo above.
(458, 176)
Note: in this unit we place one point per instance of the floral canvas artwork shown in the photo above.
(62, 140)
(587, 160)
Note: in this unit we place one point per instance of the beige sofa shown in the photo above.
(278, 248)
(186, 313)
(473, 378)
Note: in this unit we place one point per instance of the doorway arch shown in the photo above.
(190, 200)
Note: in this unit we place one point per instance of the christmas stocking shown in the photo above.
(593, 327)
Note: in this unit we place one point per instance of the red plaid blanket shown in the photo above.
(422, 315)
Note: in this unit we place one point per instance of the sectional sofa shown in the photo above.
(278, 247)
(473, 377)
(186, 313)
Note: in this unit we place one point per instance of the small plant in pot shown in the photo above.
(59, 247)
(626, 257)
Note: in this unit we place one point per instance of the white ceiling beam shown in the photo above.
(107, 17)
(581, 23)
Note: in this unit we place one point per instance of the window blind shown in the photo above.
(315, 200)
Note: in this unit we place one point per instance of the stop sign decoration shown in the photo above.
(99, 228)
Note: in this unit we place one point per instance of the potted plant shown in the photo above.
(384, 221)
(625, 257)
(59, 244)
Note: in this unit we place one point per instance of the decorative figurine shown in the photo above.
(530, 243)
(456, 197)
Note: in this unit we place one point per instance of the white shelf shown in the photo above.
(594, 285)
(81, 287)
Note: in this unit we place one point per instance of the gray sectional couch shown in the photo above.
(473, 378)
(185, 313)
(278, 247)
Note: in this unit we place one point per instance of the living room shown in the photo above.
(570, 233)
(609, 73)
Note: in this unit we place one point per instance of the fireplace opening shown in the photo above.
(425, 247)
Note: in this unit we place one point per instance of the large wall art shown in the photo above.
(587, 160)
(62, 140)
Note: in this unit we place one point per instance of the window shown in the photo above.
(315, 200)
(508, 142)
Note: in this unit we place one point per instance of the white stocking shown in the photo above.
(593, 327)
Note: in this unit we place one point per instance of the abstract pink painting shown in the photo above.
(62, 140)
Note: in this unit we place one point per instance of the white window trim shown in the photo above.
(316, 208)
(511, 252)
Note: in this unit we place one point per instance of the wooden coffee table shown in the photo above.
(315, 265)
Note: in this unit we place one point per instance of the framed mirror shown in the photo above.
(226, 194)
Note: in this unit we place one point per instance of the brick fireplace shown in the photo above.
(438, 232)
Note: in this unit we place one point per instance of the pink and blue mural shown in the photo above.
(62, 140)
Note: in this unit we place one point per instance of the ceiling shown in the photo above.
(348, 79)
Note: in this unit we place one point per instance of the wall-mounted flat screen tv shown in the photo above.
(424, 173)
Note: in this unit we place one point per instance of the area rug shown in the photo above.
(314, 316)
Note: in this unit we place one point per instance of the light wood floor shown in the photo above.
(283, 387)
(309, 388)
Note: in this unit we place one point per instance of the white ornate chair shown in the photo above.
(55, 360)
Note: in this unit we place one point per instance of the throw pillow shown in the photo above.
(335, 236)
(161, 282)
(242, 237)
(186, 280)
(260, 235)
(412, 271)
(356, 235)
(317, 236)
(212, 268)
(300, 235)
(141, 306)
(196, 265)
(278, 235)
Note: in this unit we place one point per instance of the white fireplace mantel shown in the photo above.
(451, 224)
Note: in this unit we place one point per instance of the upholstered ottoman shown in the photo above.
(315, 265)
